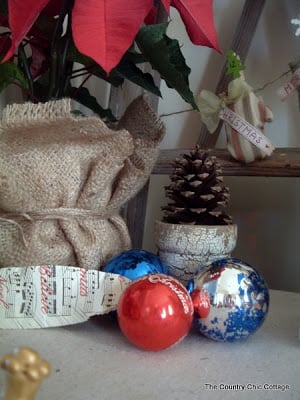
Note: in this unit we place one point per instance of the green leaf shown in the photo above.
(91, 67)
(133, 56)
(75, 56)
(113, 78)
(83, 96)
(9, 73)
(134, 74)
(165, 56)
(234, 65)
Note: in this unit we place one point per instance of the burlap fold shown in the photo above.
(63, 180)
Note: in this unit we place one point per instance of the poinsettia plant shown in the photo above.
(45, 44)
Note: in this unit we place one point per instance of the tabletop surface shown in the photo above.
(93, 360)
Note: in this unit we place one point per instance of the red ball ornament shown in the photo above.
(155, 312)
(201, 302)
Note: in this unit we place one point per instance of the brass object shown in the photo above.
(25, 372)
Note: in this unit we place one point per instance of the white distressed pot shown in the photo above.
(183, 248)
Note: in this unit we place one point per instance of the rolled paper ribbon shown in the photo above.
(248, 131)
(54, 295)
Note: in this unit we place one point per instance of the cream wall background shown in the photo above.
(265, 209)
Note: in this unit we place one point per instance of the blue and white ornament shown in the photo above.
(135, 263)
(231, 299)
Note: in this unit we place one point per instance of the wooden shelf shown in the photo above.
(284, 162)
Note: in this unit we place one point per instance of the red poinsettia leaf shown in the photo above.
(5, 44)
(166, 4)
(22, 15)
(104, 30)
(53, 8)
(3, 20)
(151, 17)
(197, 16)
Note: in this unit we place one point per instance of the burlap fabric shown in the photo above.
(63, 180)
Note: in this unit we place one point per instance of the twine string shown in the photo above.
(61, 213)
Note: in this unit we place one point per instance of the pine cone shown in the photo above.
(197, 191)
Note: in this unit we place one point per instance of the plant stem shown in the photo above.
(79, 75)
(82, 84)
(66, 66)
(53, 52)
(75, 71)
(55, 75)
(23, 64)
(176, 112)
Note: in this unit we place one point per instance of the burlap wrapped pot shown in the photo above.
(63, 180)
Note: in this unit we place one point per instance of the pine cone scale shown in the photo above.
(197, 191)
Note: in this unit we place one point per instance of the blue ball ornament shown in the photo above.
(134, 264)
(231, 299)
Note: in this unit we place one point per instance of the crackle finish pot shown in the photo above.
(183, 248)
